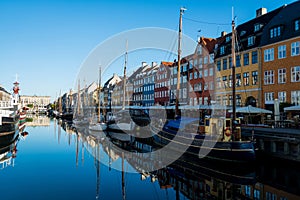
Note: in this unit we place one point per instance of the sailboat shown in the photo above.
(79, 118)
(122, 121)
(222, 138)
(100, 125)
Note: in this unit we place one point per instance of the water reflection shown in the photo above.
(37, 120)
(189, 177)
(8, 145)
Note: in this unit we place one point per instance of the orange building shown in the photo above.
(248, 73)
(280, 49)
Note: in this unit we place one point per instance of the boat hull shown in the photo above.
(205, 147)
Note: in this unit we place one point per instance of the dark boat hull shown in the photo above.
(203, 147)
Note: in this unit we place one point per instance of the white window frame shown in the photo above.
(269, 77)
(269, 54)
(282, 96)
(282, 51)
(295, 74)
(281, 75)
(295, 97)
(269, 97)
(295, 48)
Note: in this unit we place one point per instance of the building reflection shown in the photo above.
(190, 177)
(37, 120)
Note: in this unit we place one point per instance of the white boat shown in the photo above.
(100, 126)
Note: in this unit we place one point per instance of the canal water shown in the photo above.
(58, 161)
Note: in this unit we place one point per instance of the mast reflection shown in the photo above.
(189, 176)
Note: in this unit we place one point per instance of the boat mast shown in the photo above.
(123, 178)
(124, 81)
(233, 78)
(178, 62)
(78, 99)
(99, 95)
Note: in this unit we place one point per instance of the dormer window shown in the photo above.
(222, 50)
(242, 33)
(250, 41)
(257, 27)
(275, 32)
(297, 25)
(228, 38)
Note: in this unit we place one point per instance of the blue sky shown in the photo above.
(45, 42)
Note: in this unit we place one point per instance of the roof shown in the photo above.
(243, 31)
(168, 64)
(284, 18)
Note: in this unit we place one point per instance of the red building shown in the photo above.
(162, 84)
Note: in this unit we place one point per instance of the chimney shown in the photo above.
(223, 33)
(260, 12)
(153, 64)
(144, 64)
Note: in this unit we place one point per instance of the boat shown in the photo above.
(99, 125)
(122, 121)
(79, 119)
(10, 111)
(218, 138)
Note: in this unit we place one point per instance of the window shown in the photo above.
(295, 48)
(225, 64)
(296, 25)
(195, 75)
(230, 81)
(211, 85)
(200, 63)
(295, 97)
(238, 80)
(228, 38)
(230, 63)
(224, 100)
(281, 75)
(205, 73)
(219, 84)
(269, 77)
(295, 74)
(211, 71)
(247, 191)
(191, 76)
(256, 194)
(246, 59)
(282, 51)
(257, 27)
(222, 50)
(199, 50)
(250, 41)
(205, 86)
(224, 78)
(238, 100)
(275, 32)
(269, 97)
(246, 78)
(238, 60)
(282, 97)
(205, 60)
(211, 58)
(269, 55)
(254, 57)
(219, 65)
(254, 78)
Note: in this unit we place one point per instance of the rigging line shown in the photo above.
(203, 22)
(238, 41)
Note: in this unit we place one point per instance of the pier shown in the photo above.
(282, 143)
